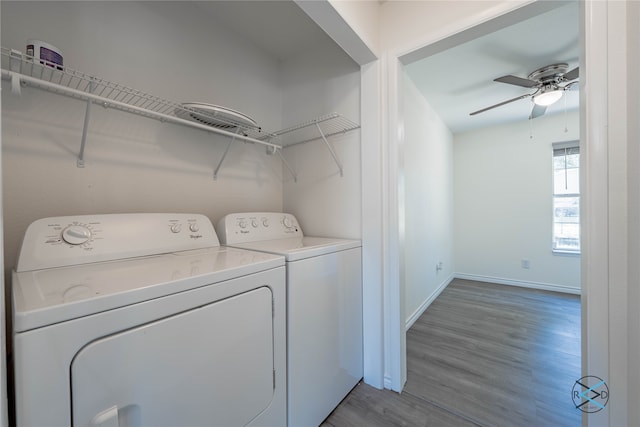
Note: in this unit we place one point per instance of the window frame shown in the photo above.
(575, 144)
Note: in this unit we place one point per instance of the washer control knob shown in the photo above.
(254, 223)
(193, 227)
(265, 222)
(176, 228)
(76, 234)
(242, 223)
(287, 222)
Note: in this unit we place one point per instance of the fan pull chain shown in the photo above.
(566, 171)
(530, 128)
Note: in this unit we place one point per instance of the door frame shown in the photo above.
(597, 23)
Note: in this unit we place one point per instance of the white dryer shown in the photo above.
(324, 309)
(144, 320)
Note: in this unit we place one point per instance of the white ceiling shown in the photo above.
(459, 80)
(456, 81)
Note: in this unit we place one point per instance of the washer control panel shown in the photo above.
(72, 240)
(256, 226)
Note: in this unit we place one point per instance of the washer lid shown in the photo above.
(297, 248)
(45, 297)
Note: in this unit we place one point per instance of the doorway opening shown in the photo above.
(484, 185)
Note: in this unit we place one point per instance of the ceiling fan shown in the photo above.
(548, 84)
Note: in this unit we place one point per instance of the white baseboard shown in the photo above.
(520, 283)
(488, 279)
(387, 382)
(423, 307)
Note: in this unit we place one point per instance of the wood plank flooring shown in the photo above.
(481, 355)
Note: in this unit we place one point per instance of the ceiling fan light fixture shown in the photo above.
(547, 98)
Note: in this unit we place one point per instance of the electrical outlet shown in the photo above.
(525, 263)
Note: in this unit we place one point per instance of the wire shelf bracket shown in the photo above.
(321, 128)
(289, 168)
(85, 126)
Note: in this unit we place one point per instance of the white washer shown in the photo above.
(144, 320)
(324, 309)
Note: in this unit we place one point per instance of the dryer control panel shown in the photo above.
(73, 240)
(257, 226)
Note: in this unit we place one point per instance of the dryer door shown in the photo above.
(212, 366)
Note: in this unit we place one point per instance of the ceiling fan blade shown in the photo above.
(573, 74)
(499, 104)
(518, 81)
(538, 110)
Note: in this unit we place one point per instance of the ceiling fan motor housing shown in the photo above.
(550, 74)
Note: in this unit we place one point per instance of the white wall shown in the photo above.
(135, 164)
(316, 83)
(428, 208)
(503, 204)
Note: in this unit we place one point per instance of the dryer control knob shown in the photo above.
(194, 227)
(76, 234)
(176, 228)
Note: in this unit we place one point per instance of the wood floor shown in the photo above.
(481, 355)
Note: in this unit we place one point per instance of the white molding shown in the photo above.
(520, 283)
(487, 279)
(494, 18)
(393, 292)
(4, 403)
(333, 23)
(423, 307)
(387, 382)
(372, 226)
(594, 152)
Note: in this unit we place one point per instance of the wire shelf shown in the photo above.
(315, 129)
(23, 69)
(67, 81)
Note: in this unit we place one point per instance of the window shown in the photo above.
(566, 197)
